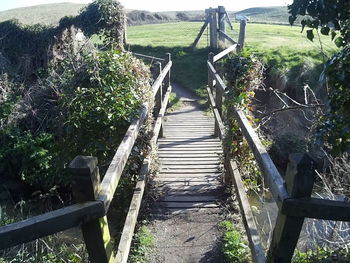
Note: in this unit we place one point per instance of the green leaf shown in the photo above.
(310, 34)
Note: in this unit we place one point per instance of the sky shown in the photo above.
(158, 5)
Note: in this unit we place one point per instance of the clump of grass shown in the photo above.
(142, 247)
(234, 247)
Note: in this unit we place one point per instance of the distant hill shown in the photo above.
(273, 15)
(48, 14)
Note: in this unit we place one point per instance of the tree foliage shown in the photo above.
(331, 17)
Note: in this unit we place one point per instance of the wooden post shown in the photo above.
(167, 78)
(158, 95)
(210, 77)
(125, 33)
(299, 179)
(241, 38)
(86, 184)
(213, 28)
(218, 104)
(222, 24)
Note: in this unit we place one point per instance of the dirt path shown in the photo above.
(188, 189)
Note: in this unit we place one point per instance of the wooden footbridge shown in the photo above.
(190, 178)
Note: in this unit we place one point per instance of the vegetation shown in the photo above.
(234, 247)
(142, 245)
(331, 18)
(322, 255)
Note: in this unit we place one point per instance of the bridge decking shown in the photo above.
(188, 188)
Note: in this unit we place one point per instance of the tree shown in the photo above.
(331, 17)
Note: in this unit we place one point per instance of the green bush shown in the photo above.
(98, 109)
(28, 158)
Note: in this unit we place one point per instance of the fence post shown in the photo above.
(159, 94)
(210, 78)
(213, 28)
(241, 38)
(86, 184)
(222, 24)
(299, 179)
(167, 77)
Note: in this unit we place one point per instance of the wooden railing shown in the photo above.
(94, 197)
(292, 194)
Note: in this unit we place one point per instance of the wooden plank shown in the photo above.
(194, 161)
(158, 82)
(317, 208)
(188, 151)
(131, 219)
(224, 35)
(256, 248)
(186, 180)
(193, 46)
(180, 187)
(219, 81)
(115, 169)
(186, 174)
(225, 52)
(188, 204)
(192, 147)
(189, 166)
(49, 223)
(189, 198)
(272, 177)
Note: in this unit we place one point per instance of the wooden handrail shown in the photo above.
(216, 76)
(148, 57)
(112, 176)
(274, 180)
(292, 196)
(225, 52)
(49, 223)
(131, 219)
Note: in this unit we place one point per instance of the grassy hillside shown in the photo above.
(275, 14)
(51, 14)
(44, 14)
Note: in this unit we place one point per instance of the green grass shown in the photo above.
(142, 246)
(283, 47)
(48, 14)
(233, 248)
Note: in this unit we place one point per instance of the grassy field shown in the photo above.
(283, 46)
